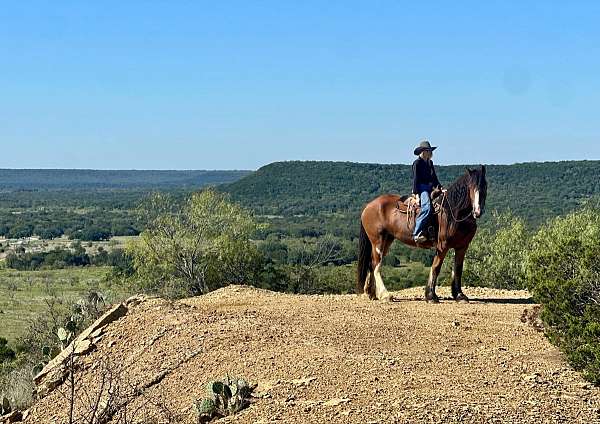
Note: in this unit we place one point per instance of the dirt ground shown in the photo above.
(339, 359)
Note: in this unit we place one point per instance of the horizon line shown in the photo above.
(285, 161)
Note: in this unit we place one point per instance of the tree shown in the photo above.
(305, 257)
(193, 247)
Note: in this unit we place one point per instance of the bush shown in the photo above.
(563, 272)
(496, 256)
(194, 247)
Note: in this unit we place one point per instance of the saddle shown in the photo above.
(408, 205)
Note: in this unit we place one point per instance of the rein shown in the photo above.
(470, 214)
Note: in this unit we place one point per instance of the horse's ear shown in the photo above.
(483, 170)
(469, 170)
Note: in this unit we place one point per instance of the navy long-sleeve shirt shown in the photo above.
(424, 173)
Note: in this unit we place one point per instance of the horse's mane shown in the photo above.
(457, 197)
(458, 194)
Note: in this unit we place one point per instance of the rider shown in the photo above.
(424, 181)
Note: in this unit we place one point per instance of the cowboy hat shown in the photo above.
(424, 145)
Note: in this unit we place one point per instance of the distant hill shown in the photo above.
(534, 191)
(68, 179)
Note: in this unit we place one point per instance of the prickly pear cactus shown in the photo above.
(47, 354)
(5, 407)
(225, 397)
(205, 407)
(63, 335)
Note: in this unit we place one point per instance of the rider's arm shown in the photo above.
(415, 177)
(436, 182)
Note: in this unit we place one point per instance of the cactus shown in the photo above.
(225, 397)
(63, 335)
(46, 351)
(205, 407)
(47, 354)
(38, 368)
(71, 325)
(217, 388)
(5, 407)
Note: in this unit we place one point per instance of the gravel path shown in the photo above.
(342, 359)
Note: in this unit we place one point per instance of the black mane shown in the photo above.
(458, 194)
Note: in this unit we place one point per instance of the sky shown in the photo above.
(240, 84)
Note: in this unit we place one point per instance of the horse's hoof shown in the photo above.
(432, 299)
(461, 298)
(387, 298)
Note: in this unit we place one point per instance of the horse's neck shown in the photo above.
(461, 205)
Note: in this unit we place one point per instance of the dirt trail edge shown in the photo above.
(332, 359)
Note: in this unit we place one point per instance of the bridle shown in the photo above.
(469, 215)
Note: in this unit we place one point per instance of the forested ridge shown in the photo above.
(534, 191)
(36, 179)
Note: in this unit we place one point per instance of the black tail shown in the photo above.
(365, 250)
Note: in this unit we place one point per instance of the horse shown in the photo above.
(383, 221)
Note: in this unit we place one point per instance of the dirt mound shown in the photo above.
(323, 359)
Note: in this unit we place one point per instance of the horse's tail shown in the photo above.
(364, 259)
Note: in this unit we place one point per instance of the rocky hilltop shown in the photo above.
(321, 359)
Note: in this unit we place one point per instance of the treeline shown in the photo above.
(94, 225)
(296, 199)
(62, 258)
(69, 179)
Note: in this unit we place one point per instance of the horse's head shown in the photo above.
(477, 190)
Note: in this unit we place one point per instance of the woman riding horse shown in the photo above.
(425, 181)
(386, 219)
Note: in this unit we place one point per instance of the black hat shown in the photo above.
(423, 146)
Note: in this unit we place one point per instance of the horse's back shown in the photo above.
(384, 201)
(378, 209)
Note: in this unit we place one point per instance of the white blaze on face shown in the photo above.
(476, 206)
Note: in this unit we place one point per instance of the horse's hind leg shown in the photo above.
(459, 258)
(380, 249)
(436, 267)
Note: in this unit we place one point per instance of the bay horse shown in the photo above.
(382, 222)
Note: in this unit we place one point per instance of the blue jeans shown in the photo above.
(423, 217)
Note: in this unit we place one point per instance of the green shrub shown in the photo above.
(193, 247)
(496, 256)
(563, 272)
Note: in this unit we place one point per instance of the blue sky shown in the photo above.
(224, 85)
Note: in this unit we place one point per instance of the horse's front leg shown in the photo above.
(436, 267)
(459, 259)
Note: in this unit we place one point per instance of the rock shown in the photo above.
(135, 300)
(585, 386)
(98, 332)
(13, 417)
(531, 377)
(83, 347)
(303, 381)
(336, 402)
